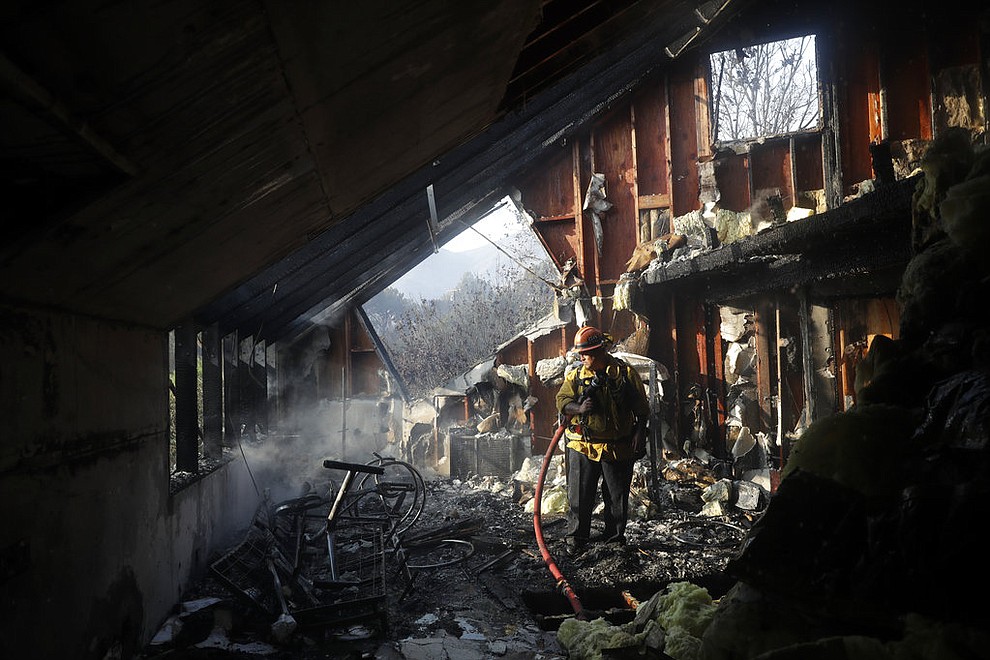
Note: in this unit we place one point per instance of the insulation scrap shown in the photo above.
(731, 226)
(945, 164)
(529, 472)
(585, 640)
(551, 371)
(554, 501)
(681, 645)
(695, 229)
(685, 605)
(595, 201)
(516, 374)
(922, 294)
(683, 611)
(853, 448)
(740, 360)
(734, 323)
(626, 293)
(958, 90)
(799, 213)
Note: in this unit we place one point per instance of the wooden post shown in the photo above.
(780, 384)
(245, 391)
(259, 379)
(807, 363)
(678, 440)
(231, 390)
(186, 399)
(763, 357)
(831, 137)
(212, 393)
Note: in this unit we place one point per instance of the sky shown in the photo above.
(466, 251)
(496, 226)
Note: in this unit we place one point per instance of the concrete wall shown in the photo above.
(94, 550)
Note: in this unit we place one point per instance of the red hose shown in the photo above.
(547, 557)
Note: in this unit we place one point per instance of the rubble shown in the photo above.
(487, 606)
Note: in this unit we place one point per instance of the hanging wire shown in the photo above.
(555, 287)
(244, 457)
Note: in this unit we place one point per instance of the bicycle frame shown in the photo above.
(350, 470)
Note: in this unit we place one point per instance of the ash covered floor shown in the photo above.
(499, 602)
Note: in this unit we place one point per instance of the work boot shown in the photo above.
(575, 546)
(616, 541)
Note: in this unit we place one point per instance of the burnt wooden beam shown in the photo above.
(872, 230)
(212, 393)
(186, 399)
(246, 391)
(32, 94)
(831, 120)
(231, 391)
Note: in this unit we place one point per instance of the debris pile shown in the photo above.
(483, 606)
(871, 545)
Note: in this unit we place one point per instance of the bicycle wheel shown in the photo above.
(399, 494)
(437, 554)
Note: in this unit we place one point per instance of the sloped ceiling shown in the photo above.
(252, 163)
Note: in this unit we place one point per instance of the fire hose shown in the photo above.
(537, 527)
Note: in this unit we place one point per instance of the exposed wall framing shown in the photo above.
(816, 286)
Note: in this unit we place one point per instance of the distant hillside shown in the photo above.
(441, 272)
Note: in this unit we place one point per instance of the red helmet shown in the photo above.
(588, 338)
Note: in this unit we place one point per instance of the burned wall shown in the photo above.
(95, 549)
(889, 82)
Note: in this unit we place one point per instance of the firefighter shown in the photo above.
(604, 405)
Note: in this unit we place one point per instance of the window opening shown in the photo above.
(765, 90)
(481, 289)
(197, 406)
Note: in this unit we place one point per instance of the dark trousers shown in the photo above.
(583, 476)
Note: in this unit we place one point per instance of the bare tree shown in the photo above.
(432, 341)
(765, 90)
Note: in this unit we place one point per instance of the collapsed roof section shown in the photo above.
(250, 164)
(354, 260)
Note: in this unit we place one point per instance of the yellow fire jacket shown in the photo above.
(620, 399)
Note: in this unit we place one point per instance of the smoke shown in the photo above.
(287, 464)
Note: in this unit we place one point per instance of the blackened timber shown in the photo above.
(231, 392)
(245, 389)
(259, 382)
(383, 355)
(876, 223)
(807, 365)
(212, 393)
(186, 409)
(831, 137)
